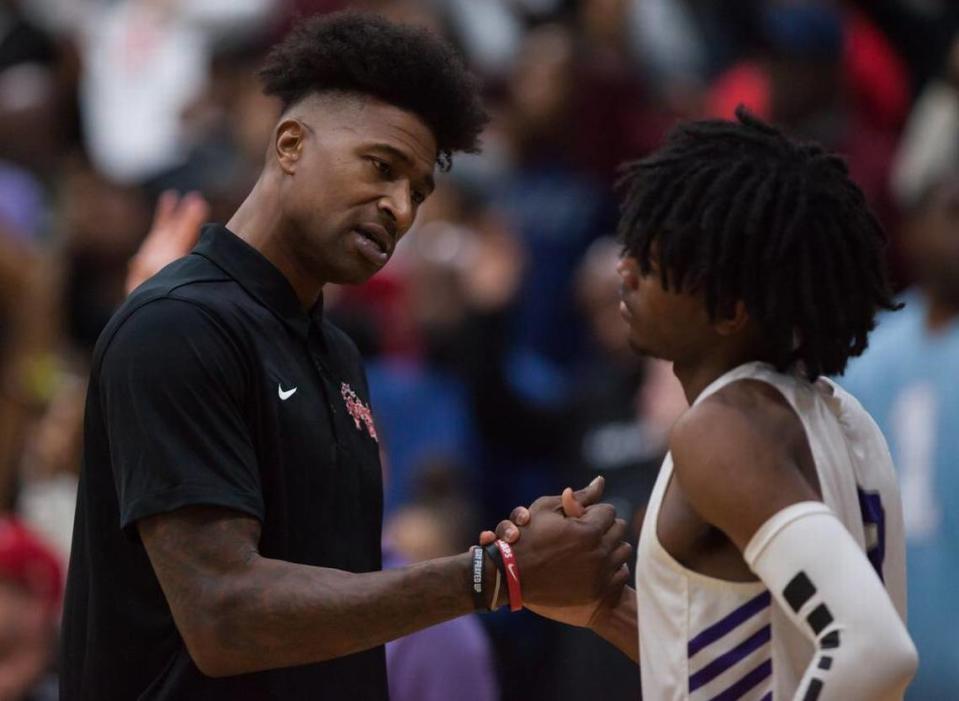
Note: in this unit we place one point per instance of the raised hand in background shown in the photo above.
(174, 231)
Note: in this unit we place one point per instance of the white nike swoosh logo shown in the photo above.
(512, 571)
(285, 394)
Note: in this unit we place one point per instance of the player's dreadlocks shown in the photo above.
(737, 211)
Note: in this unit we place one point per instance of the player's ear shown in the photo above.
(734, 322)
(288, 141)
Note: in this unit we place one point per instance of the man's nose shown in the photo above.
(398, 205)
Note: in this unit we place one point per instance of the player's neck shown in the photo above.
(697, 372)
(697, 376)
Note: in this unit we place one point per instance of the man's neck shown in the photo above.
(258, 221)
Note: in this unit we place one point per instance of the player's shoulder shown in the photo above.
(747, 414)
(736, 457)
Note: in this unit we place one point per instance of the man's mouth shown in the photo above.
(378, 235)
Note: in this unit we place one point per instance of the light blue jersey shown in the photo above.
(908, 379)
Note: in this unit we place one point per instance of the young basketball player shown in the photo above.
(771, 560)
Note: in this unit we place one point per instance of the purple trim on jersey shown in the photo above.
(767, 697)
(728, 659)
(724, 625)
(744, 685)
(870, 504)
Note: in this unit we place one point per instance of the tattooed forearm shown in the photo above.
(239, 612)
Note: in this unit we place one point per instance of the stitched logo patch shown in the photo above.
(358, 410)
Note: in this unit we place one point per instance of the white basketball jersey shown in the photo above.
(706, 639)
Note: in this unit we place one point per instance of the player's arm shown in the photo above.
(240, 612)
(744, 480)
(618, 624)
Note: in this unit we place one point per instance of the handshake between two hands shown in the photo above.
(571, 553)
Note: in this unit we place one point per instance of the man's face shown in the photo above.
(357, 171)
(662, 323)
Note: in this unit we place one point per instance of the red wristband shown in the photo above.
(512, 575)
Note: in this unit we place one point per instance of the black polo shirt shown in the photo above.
(212, 386)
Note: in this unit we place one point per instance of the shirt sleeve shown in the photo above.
(172, 386)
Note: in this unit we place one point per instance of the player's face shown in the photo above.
(662, 323)
(360, 169)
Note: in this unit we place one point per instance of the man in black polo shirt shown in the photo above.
(227, 541)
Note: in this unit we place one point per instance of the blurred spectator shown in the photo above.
(30, 90)
(929, 151)
(231, 124)
(28, 327)
(556, 208)
(825, 74)
(906, 381)
(31, 581)
(920, 30)
(50, 466)
(103, 222)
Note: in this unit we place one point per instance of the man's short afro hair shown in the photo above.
(402, 65)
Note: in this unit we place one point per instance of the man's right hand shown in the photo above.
(574, 506)
(570, 561)
(572, 550)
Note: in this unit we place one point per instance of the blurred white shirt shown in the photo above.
(144, 63)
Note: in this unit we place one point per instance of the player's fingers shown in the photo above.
(507, 530)
(487, 537)
(591, 493)
(600, 515)
(571, 507)
(520, 516)
(621, 555)
(615, 534)
(620, 578)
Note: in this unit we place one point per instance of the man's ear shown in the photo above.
(288, 144)
(733, 323)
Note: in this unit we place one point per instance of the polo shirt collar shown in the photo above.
(257, 275)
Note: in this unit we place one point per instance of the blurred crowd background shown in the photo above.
(498, 364)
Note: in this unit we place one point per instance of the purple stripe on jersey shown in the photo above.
(742, 687)
(723, 626)
(728, 659)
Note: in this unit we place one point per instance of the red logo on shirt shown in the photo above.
(358, 410)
